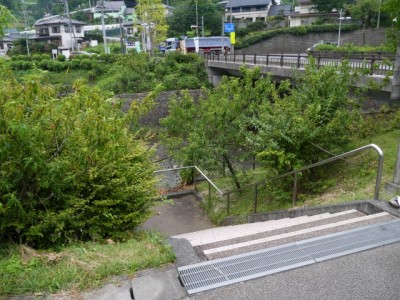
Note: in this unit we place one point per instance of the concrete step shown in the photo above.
(228, 233)
(293, 225)
(293, 236)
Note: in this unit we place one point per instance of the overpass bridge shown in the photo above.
(284, 66)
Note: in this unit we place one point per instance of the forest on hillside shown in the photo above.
(36, 9)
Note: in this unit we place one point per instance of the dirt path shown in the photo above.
(182, 216)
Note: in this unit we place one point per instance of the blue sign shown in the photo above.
(229, 27)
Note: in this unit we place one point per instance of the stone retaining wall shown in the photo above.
(160, 109)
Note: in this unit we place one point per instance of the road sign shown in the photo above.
(229, 27)
(233, 38)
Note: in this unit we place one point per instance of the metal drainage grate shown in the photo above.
(220, 272)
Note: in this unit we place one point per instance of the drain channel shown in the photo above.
(220, 272)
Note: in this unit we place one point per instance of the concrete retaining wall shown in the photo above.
(289, 43)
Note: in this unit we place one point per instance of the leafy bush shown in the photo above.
(61, 57)
(71, 168)
(86, 63)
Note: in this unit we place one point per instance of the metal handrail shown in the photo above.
(295, 173)
(300, 60)
(331, 159)
(193, 167)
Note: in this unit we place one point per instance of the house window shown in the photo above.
(78, 29)
(246, 9)
(66, 28)
(260, 8)
(235, 9)
(43, 31)
(55, 29)
(129, 30)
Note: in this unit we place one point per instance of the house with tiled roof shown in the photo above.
(112, 9)
(305, 14)
(251, 10)
(66, 32)
(283, 10)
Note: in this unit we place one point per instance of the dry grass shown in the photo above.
(24, 270)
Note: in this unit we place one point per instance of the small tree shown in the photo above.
(6, 18)
(185, 16)
(315, 118)
(152, 15)
(213, 130)
(70, 167)
(365, 11)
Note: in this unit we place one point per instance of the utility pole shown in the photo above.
(103, 26)
(202, 26)
(231, 20)
(379, 14)
(197, 21)
(26, 27)
(71, 28)
(121, 30)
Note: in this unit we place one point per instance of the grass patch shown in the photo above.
(341, 181)
(78, 267)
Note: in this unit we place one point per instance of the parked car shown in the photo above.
(83, 53)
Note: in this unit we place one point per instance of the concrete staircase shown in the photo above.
(204, 256)
(226, 241)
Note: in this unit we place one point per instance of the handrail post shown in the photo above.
(294, 197)
(234, 58)
(379, 172)
(255, 198)
(298, 61)
(267, 61)
(244, 58)
(255, 59)
(372, 64)
(209, 192)
(281, 59)
(228, 204)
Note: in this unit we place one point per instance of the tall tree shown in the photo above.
(185, 16)
(324, 6)
(365, 11)
(392, 7)
(152, 14)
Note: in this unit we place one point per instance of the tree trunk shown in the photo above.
(228, 163)
(395, 95)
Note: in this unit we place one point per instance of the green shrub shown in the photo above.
(61, 57)
(86, 64)
(188, 82)
(71, 168)
(171, 82)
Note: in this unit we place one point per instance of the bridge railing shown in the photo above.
(374, 64)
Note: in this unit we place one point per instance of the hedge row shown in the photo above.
(257, 37)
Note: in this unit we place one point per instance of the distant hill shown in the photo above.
(36, 9)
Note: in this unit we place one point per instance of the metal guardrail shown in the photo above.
(294, 173)
(375, 64)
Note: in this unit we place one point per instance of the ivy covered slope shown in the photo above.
(71, 169)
